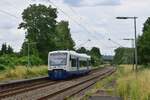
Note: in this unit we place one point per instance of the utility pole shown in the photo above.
(28, 54)
(136, 56)
(29, 43)
(135, 38)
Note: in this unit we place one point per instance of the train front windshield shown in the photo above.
(58, 59)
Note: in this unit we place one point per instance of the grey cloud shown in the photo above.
(95, 2)
(73, 2)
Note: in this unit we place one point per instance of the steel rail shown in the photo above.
(57, 93)
(26, 86)
(20, 82)
(8, 94)
(22, 86)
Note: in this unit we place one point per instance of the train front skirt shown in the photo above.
(60, 74)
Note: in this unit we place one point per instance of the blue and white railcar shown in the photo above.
(66, 64)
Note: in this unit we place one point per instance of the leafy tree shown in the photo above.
(32, 46)
(63, 36)
(82, 50)
(96, 57)
(9, 50)
(7, 61)
(144, 44)
(124, 56)
(95, 51)
(40, 23)
(4, 49)
(118, 55)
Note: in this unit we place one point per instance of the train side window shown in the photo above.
(83, 63)
(88, 62)
(73, 62)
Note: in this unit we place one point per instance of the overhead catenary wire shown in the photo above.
(82, 26)
(115, 42)
(2, 11)
(95, 30)
(71, 8)
(5, 1)
(7, 13)
(70, 17)
(83, 43)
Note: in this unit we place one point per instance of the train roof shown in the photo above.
(72, 53)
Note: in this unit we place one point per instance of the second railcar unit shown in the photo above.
(66, 64)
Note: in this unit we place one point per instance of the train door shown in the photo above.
(73, 63)
(78, 64)
(83, 64)
(88, 64)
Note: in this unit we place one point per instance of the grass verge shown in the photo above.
(129, 85)
(133, 85)
(23, 72)
(100, 85)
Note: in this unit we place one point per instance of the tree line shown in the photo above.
(124, 55)
(43, 34)
(6, 49)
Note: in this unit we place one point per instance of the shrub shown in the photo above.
(22, 60)
(7, 61)
(95, 61)
(10, 61)
(2, 67)
(34, 60)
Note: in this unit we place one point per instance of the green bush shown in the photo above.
(2, 67)
(10, 61)
(7, 61)
(22, 60)
(95, 61)
(34, 60)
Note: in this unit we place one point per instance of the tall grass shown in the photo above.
(130, 85)
(100, 85)
(133, 85)
(22, 72)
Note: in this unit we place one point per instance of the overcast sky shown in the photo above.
(97, 16)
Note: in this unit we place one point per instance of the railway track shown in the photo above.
(21, 89)
(6, 87)
(12, 88)
(18, 83)
(74, 86)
